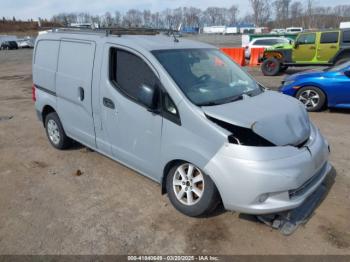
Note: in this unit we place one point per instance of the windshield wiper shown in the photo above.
(222, 101)
(211, 103)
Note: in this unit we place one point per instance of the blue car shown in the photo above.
(320, 89)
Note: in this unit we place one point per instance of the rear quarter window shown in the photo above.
(46, 54)
(329, 38)
(346, 36)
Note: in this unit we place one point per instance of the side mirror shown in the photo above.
(148, 96)
(347, 73)
(296, 45)
(290, 42)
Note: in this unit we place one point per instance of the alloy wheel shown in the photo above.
(309, 98)
(53, 131)
(188, 184)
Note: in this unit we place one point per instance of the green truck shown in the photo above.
(326, 48)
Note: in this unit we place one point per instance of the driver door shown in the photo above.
(133, 131)
(305, 48)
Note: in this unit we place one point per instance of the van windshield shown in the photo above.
(207, 76)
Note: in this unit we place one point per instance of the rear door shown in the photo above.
(305, 49)
(73, 88)
(328, 47)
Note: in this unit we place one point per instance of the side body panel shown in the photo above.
(45, 57)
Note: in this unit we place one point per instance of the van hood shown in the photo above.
(278, 118)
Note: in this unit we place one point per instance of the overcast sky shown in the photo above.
(25, 9)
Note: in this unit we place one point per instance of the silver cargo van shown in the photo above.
(181, 113)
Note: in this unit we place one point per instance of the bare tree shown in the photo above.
(192, 16)
(147, 18)
(309, 13)
(177, 17)
(282, 11)
(156, 20)
(287, 13)
(261, 11)
(117, 18)
(211, 14)
(108, 20)
(132, 18)
(296, 10)
(232, 14)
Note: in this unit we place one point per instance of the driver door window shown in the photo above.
(129, 72)
(307, 39)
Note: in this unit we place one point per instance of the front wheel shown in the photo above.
(312, 97)
(191, 191)
(271, 67)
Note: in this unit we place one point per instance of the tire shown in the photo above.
(55, 132)
(204, 194)
(312, 97)
(342, 60)
(271, 67)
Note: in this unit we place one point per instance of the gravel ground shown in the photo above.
(46, 208)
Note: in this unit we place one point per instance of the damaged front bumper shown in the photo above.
(265, 180)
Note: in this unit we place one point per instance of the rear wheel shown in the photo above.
(271, 67)
(312, 97)
(55, 132)
(191, 191)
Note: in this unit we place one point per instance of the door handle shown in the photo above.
(333, 46)
(108, 103)
(81, 93)
(312, 48)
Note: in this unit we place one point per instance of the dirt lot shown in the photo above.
(45, 208)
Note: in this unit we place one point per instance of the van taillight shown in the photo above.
(33, 93)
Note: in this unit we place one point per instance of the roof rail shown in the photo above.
(119, 31)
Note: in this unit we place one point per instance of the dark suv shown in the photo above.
(9, 45)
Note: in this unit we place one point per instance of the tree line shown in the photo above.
(274, 14)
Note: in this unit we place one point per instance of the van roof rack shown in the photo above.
(119, 31)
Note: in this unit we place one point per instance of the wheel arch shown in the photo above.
(47, 109)
(275, 54)
(166, 170)
(170, 164)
